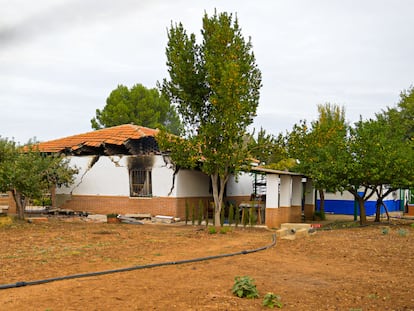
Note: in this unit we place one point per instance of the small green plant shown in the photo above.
(222, 215)
(231, 214)
(412, 225)
(402, 232)
(187, 212)
(200, 212)
(244, 287)
(212, 230)
(224, 230)
(318, 215)
(193, 214)
(112, 215)
(252, 217)
(271, 300)
(385, 231)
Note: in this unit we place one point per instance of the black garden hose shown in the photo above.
(168, 263)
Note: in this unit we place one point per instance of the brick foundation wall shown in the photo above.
(276, 216)
(125, 205)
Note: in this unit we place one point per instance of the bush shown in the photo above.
(318, 215)
(244, 287)
(212, 230)
(271, 300)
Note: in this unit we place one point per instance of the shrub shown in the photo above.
(271, 300)
(244, 287)
(212, 230)
(200, 212)
(193, 214)
(187, 212)
(318, 215)
(231, 214)
(224, 230)
(222, 215)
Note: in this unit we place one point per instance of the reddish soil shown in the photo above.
(345, 269)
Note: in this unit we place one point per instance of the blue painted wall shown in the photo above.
(346, 207)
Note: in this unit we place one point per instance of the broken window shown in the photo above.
(140, 176)
(141, 182)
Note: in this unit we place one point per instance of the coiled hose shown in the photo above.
(168, 263)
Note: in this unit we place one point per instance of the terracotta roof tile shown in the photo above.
(117, 135)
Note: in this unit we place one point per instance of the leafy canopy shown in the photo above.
(215, 87)
(137, 105)
(28, 173)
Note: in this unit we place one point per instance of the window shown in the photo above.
(140, 183)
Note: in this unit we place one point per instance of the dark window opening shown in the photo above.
(140, 183)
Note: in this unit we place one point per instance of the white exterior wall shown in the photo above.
(110, 176)
(242, 186)
(297, 190)
(191, 183)
(272, 190)
(285, 190)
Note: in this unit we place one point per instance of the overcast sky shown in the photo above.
(60, 59)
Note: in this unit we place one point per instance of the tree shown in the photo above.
(270, 151)
(319, 147)
(215, 86)
(28, 173)
(137, 105)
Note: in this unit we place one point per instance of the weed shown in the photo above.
(231, 214)
(385, 231)
(271, 300)
(412, 225)
(244, 287)
(402, 232)
(222, 215)
(212, 230)
(373, 296)
(224, 230)
(200, 212)
(187, 212)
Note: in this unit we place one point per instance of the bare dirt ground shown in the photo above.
(366, 268)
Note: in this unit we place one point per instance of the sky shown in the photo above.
(60, 59)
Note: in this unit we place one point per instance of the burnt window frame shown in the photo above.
(143, 178)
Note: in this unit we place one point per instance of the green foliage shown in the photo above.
(137, 105)
(272, 300)
(236, 217)
(385, 231)
(28, 173)
(193, 214)
(402, 232)
(208, 83)
(222, 216)
(244, 287)
(112, 215)
(231, 214)
(224, 230)
(212, 230)
(200, 212)
(319, 215)
(187, 211)
(252, 216)
(269, 150)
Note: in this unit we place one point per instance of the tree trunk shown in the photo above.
(362, 211)
(20, 201)
(378, 209)
(322, 201)
(218, 185)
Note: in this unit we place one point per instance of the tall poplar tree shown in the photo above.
(215, 87)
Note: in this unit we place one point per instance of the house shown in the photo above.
(122, 170)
